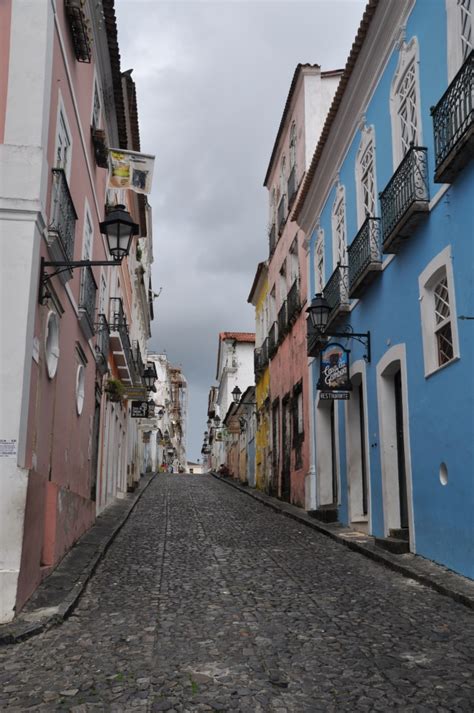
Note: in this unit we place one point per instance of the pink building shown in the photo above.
(64, 446)
(308, 101)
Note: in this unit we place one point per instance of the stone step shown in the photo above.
(393, 544)
(400, 533)
(325, 513)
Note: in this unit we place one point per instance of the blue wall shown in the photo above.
(441, 407)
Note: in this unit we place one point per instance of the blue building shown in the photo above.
(387, 206)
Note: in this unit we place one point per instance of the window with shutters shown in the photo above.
(405, 102)
(438, 313)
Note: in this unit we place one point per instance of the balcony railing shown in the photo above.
(138, 364)
(281, 214)
(272, 239)
(79, 30)
(87, 301)
(120, 341)
(272, 340)
(405, 199)
(282, 321)
(293, 302)
(102, 344)
(264, 349)
(453, 124)
(62, 224)
(291, 187)
(257, 362)
(336, 292)
(365, 257)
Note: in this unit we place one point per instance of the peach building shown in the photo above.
(67, 448)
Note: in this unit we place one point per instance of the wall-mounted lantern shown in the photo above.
(318, 313)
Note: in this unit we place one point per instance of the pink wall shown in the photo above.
(5, 20)
(59, 508)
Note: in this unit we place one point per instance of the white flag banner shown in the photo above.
(132, 170)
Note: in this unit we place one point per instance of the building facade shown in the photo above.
(386, 207)
(308, 101)
(67, 448)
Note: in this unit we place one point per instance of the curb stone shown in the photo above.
(37, 616)
(424, 571)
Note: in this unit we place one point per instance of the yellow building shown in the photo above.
(258, 297)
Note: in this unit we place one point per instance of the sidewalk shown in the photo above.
(416, 567)
(58, 594)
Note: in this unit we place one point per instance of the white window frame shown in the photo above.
(283, 282)
(63, 128)
(87, 238)
(457, 53)
(367, 143)
(319, 260)
(292, 146)
(338, 219)
(294, 263)
(409, 55)
(427, 280)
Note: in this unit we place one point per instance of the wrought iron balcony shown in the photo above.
(138, 364)
(257, 362)
(281, 214)
(102, 344)
(273, 340)
(264, 349)
(79, 30)
(336, 292)
(272, 239)
(87, 302)
(293, 302)
(365, 257)
(453, 124)
(282, 321)
(62, 224)
(291, 187)
(120, 341)
(405, 199)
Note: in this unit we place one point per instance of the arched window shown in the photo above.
(339, 242)
(460, 33)
(366, 186)
(405, 102)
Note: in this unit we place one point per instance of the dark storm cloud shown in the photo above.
(212, 80)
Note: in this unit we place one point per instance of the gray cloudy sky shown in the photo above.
(212, 80)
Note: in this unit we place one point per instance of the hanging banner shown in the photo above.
(334, 371)
(139, 409)
(132, 170)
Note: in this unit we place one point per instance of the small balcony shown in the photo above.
(405, 200)
(138, 365)
(120, 342)
(453, 124)
(87, 302)
(291, 185)
(79, 30)
(273, 340)
(336, 291)
(365, 257)
(102, 344)
(257, 362)
(282, 321)
(264, 349)
(281, 214)
(62, 224)
(272, 239)
(293, 302)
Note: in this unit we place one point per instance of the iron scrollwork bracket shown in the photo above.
(361, 337)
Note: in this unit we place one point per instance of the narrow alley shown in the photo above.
(207, 600)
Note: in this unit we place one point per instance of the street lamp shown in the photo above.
(237, 394)
(208, 424)
(118, 228)
(217, 421)
(149, 376)
(318, 313)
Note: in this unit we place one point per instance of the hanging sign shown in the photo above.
(139, 409)
(132, 170)
(334, 372)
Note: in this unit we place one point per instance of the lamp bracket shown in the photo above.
(348, 333)
(64, 266)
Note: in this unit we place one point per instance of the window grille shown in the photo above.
(443, 332)
(467, 40)
(367, 180)
(407, 109)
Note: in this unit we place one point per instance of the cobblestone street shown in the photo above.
(207, 600)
